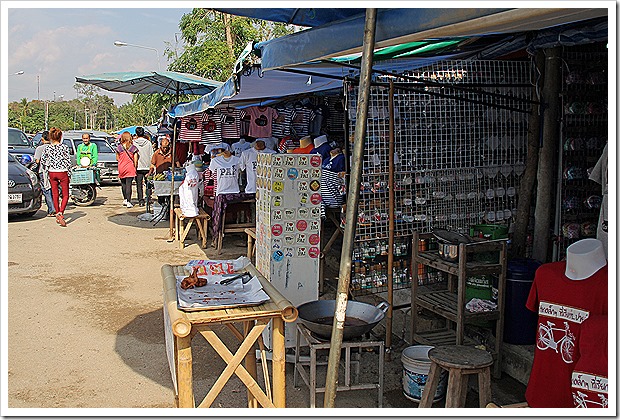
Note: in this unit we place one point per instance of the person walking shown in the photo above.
(44, 176)
(127, 157)
(145, 153)
(57, 159)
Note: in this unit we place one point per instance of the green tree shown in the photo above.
(214, 40)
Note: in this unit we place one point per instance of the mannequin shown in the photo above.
(599, 175)
(322, 147)
(248, 164)
(584, 258)
(305, 145)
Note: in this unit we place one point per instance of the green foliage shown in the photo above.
(208, 52)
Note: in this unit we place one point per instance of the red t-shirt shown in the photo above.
(562, 305)
(589, 379)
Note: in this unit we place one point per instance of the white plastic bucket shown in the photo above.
(416, 366)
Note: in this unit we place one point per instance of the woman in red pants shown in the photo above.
(58, 161)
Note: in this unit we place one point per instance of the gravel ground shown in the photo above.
(85, 328)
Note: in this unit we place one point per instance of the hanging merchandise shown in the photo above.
(261, 118)
(211, 126)
(231, 122)
(281, 125)
(191, 128)
(302, 117)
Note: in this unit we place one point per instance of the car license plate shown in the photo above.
(15, 198)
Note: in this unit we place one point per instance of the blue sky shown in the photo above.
(58, 44)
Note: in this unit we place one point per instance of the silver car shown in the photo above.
(106, 162)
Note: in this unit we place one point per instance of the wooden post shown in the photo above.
(250, 364)
(526, 189)
(184, 372)
(548, 153)
(390, 261)
(344, 277)
(172, 160)
(278, 363)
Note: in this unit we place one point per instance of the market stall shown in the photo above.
(227, 300)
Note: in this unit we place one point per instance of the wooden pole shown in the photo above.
(548, 153)
(390, 261)
(519, 240)
(172, 159)
(278, 363)
(344, 278)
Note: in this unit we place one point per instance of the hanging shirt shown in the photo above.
(231, 122)
(281, 125)
(301, 121)
(190, 128)
(562, 305)
(238, 147)
(211, 132)
(227, 174)
(248, 164)
(335, 116)
(261, 118)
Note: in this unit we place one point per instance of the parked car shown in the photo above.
(24, 189)
(106, 162)
(20, 146)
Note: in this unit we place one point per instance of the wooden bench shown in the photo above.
(182, 231)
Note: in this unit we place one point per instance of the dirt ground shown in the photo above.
(85, 324)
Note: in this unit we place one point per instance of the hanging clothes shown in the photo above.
(231, 122)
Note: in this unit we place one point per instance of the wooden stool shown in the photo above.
(201, 223)
(251, 232)
(459, 361)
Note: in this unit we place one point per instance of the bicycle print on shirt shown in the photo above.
(556, 336)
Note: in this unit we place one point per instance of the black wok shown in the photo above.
(318, 317)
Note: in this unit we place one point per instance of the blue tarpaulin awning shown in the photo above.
(300, 17)
(397, 26)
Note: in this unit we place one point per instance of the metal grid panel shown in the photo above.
(459, 154)
(583, 137)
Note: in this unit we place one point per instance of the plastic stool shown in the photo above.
(459, 361)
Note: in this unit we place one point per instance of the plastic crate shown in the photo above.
(86, 176)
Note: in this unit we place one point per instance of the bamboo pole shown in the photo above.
(390, 261)
(526, 189)
(278, 363)
(181, 326)
(184, 372)
(548, 153)
(289, 312)
(344, 277)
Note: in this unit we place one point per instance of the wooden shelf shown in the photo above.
(448, 301)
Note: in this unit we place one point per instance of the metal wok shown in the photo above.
(318, 317)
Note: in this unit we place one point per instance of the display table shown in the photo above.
(182, 326)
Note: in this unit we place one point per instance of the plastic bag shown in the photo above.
(188, 192)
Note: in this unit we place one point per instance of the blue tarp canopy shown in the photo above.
(167, 82)
(300, 17)
(264, 88)
(397, 26)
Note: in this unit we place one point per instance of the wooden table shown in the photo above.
(181, 327)
(201, 224)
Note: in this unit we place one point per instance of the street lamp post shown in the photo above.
(125, 44)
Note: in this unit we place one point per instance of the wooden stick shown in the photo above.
(263, 362)
(250, 363)
(289, 312)
(184, 372)
(278, 364)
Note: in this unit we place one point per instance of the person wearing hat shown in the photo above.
(46, 187)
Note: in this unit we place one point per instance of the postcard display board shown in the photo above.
(288, 223)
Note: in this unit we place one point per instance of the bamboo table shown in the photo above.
(181, 327)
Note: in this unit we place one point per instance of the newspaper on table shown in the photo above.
(215, 295)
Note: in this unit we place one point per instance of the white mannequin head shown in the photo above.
(584, 258)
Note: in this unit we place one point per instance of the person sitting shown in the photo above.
(86, 150)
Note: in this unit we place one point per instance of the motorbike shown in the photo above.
(83, 185)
